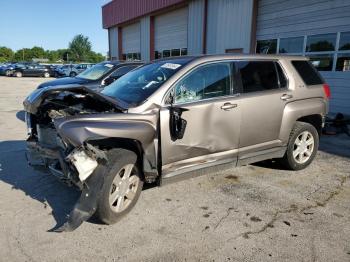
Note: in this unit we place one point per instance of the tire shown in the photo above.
(72, 74)
(7, 72)
(18, 74)
(46, 74)
(116, 186)
(300, 150)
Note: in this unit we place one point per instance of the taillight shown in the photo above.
(327, 91)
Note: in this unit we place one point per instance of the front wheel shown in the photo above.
(122, 186)
(302, 146)
(46, 74)
(72, 74)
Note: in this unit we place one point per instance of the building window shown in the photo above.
(344, 42)
(323, 62)
(132, 56)
(318, 43)
(343, 62)
(291, 45)
(266, 46)
(175, 52)
(157, 55)
(170, 53)
(166, 53)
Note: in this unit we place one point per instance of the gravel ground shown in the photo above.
(252, 213)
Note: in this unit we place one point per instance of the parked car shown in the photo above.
(77, 69)
(7, 69)
(96, 77)
(32, 70)
(64, 70)
(171, 119)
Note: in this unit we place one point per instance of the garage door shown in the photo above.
(131, 42)
(170, 33)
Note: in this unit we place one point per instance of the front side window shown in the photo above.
(266, 46)
(205, 82)
(258, 76)
(136, 86)
(318, 43)
(122, 71)
(291, 45)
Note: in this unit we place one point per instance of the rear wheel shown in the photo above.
(122, 186)
(302, 146)
(8, 72)
(18, 74)
(46, 74)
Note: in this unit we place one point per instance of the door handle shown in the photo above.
(228, 106)
(286, 97)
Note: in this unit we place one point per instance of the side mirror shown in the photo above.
(177, 125)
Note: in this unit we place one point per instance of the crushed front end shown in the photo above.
(73, 164)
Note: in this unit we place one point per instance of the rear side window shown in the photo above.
(258, 76)
(307, 72)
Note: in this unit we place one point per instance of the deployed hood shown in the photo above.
(35, 99)
(64, 81)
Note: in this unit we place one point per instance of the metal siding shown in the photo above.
(131, 37)
(195, 26)
(121, 11)
(113, 42)
(299, 17)
(171, 30)
(229, 25)
(339, 83)
(145, 38)
(292, 18)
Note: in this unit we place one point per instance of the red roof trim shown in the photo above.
(121, 11)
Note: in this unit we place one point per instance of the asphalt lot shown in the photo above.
(252, 213)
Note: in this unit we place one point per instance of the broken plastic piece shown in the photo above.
(84, 164)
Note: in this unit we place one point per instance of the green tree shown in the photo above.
(80, 47)
(6, 54)
(95, 57)
(37, 52)
(23, 54)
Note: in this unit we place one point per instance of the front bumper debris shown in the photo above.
(91, 178)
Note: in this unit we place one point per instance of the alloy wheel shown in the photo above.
(303, 147)
(123, 188)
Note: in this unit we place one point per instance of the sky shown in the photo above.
(51, 24)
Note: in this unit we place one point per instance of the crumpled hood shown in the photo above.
(35, 99)
(64, 81)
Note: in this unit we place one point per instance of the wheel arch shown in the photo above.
(144, 158)
(310, 111)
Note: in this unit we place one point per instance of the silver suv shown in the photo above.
(172, 119)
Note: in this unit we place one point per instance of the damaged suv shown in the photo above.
(171, 119)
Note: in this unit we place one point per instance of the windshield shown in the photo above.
(137, 85)
(95, 72)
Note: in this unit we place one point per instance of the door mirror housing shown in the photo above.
(177, 125)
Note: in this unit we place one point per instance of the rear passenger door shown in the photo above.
(264, 94)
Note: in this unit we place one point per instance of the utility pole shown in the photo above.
(23, 54)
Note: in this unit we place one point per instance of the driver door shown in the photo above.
(210, 106)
